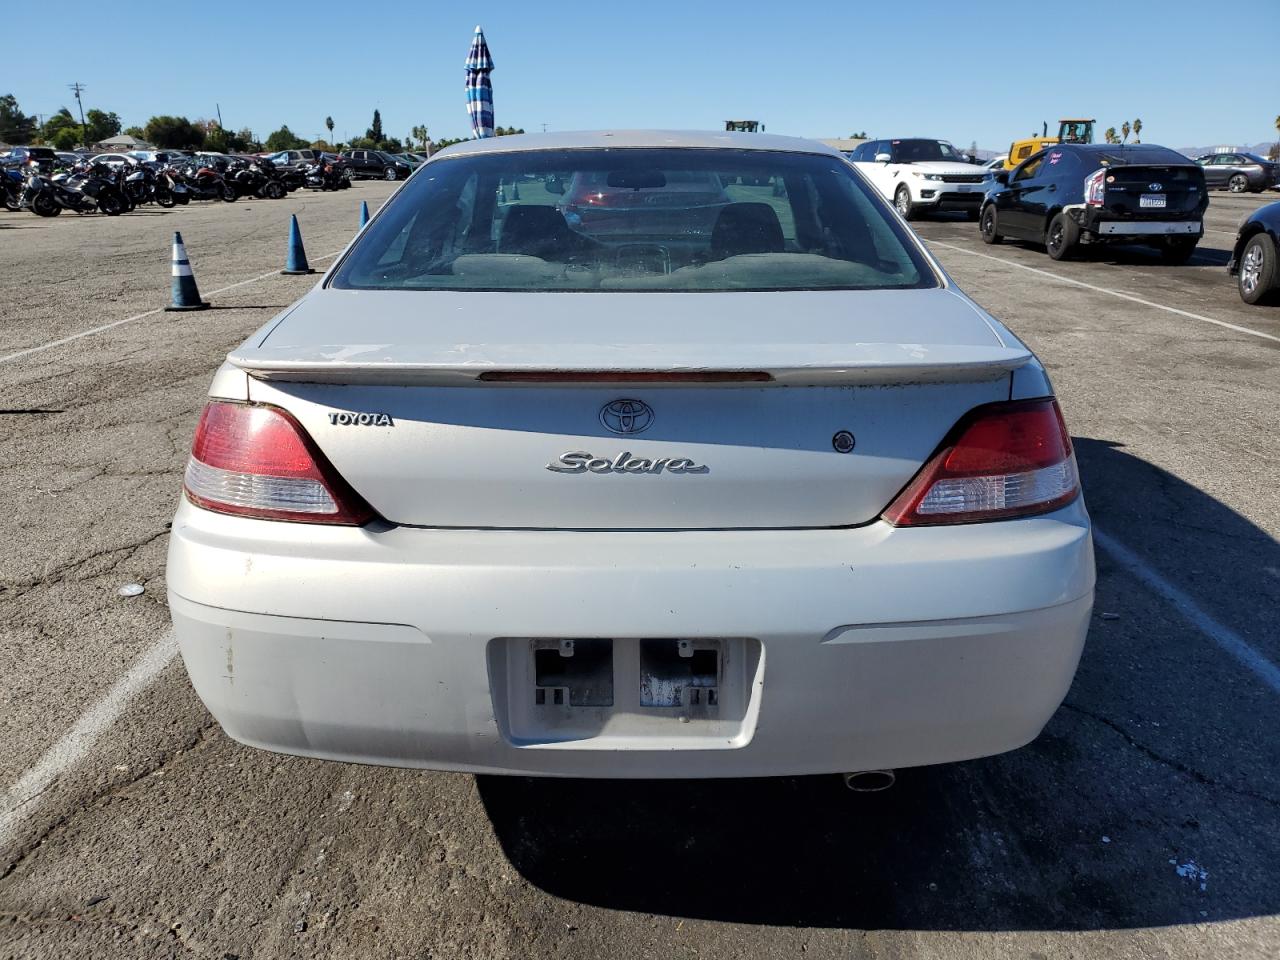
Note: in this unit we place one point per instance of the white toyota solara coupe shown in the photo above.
(633, 455)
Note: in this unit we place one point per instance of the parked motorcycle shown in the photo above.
(11, 185)
(255, 178)
(143, 185)
(171, 179)
(206, 183)
(92, 189)
(323, 175)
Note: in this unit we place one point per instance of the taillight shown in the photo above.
(257, 461)
(1095, 187)
(1000, 461)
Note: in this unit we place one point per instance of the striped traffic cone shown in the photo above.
(185, 295)
(364, 214)
(296, 262)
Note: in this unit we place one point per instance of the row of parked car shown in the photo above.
(1074, 196)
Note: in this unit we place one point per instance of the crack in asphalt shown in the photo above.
(202, 736)
(63, 574)
(1186, 770)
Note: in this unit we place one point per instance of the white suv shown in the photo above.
(919, 174)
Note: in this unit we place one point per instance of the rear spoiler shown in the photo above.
(788, 364)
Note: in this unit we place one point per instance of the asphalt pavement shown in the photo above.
(1144, 822)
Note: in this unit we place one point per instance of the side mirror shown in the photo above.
(1002, 177)
(883, 158)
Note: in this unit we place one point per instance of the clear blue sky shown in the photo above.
(948, 69)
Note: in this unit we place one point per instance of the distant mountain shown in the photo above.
(1260, 149)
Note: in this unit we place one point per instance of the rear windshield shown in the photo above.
(1142, 154)
(635, 219)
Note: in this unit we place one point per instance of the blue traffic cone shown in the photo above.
(297, 261)
(185, 295)
(364, 214)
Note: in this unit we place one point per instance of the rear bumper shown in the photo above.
(1098, 225)
(843, 649)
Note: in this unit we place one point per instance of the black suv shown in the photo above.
(1071, 194)
(375, 163)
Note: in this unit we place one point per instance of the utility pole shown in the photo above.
(219, 110)
(78, 88)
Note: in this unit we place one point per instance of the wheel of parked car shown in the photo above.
(275, 190)
(902, 200)
(1238, 183)
(1061, 237)
(1259, 275)
(348, 174)
(989, 225)
(389, 173)
(1178, 250)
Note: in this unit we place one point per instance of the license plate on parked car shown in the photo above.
(1152, 200)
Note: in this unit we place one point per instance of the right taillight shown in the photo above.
(257, 461)
(1001, 461)
(1095, 187)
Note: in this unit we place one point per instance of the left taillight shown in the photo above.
(257, 461)
(1095, 188)
(1001, 461)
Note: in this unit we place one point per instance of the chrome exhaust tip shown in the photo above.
(869, 781)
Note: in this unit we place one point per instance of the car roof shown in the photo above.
(604, 139)
(1126, 152)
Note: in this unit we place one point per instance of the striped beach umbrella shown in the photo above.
(479, 88)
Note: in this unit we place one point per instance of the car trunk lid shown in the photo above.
(1169, 190)
(616, 412)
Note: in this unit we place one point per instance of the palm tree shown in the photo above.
(1111, 135)
(1124, 128)
(328, 122)
(1137, 129)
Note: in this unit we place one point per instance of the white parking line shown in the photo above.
(1111, 293)
(139, 316)
(21, 798)
(1223, 636)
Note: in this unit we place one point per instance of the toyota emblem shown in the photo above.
(626, 416)
(1155, 187)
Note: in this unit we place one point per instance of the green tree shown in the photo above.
(61, 128)
(251, 143)
(374, 133)
(174, 133)
(1124, 128)
(1111, 135)
(137, 132)
(285, 139)
(328, 123)
(100, 126)
(858, 136)
(217, 140)
(1137, 129)
(15, 126)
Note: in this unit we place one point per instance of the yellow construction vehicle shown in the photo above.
(1069, 131)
